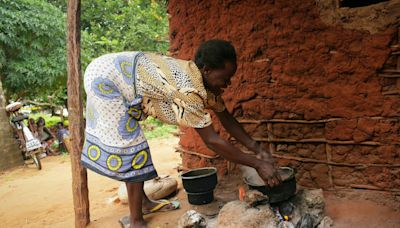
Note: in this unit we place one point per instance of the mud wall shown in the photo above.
(324, 98)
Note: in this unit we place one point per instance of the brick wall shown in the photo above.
(314, 93)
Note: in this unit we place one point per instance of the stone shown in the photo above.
(260, 216)
(160, 187)
(285, 224)
(306, 221)
(309, 202)
(254, 198)
(326, 222)
(155, 189)
(192, 219)
(296, 215)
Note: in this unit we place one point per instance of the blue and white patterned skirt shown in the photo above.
(115, 145)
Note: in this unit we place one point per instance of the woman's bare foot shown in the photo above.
(139, 224)
(126, 222)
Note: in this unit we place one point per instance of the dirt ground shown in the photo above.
(32, 198)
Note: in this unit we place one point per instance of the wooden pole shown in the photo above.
(355, 165)
(328, 151)
(75, 110)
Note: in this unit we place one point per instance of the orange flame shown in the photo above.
(242, 193)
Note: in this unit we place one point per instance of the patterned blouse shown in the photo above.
(173, 91)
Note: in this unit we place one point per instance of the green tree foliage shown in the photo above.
(32, 47)
(61, 4)
(130, 25)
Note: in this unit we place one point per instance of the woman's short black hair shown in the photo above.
(214, 54)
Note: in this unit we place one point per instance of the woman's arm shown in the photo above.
(237, 131)
(265, 169)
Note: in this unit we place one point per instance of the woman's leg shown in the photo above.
(135, 198)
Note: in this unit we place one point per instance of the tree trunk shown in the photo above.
(10, 153)
(76, 127)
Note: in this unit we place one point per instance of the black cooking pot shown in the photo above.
(279, 193)
(200, 180)
(200, 198)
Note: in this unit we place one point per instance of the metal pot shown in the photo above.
(278, 193)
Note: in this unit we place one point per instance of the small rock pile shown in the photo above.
(305, 210)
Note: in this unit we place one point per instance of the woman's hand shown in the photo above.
(267, 170)
(268, 173)
(265, 156)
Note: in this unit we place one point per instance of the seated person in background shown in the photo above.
(45, 136)
(62, 136)
(32, 127)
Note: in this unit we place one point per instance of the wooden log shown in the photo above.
(356, 165)
(397, 50)
(181, 150)
(50, 105)
(247, 121)
(317, 140)
(262, 60)
(75, 108)
(44, 104)
(366, 143)
(371, 187)
(277, 140)
(391, 71)
(341, 188)
(381, 118)
(392, 92)
(328, 151)
(395, 47)
(287, 121)
(252, 121)
(271, 145)
(389, 75)
(364, 186)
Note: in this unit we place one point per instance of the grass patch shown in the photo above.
(154, 128)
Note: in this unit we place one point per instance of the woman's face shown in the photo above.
(217, 79)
